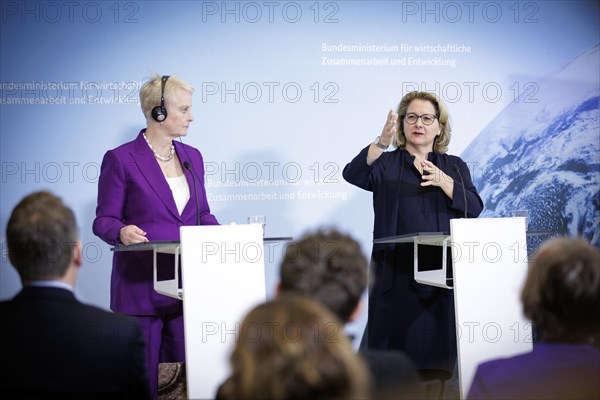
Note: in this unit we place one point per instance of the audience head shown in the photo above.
(293, 348)
(328, 266)
(151, 91)
(42, 237)
(561, 294)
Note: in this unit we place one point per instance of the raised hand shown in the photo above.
(389, 129)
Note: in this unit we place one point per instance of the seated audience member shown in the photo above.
(55, 347)
(293, 348)
(561, 296)
(330, 267)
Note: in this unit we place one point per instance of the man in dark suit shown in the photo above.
(53, 345)
(329, 266)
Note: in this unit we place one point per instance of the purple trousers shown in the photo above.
(164, 338)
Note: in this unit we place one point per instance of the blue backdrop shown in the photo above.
(288, 92)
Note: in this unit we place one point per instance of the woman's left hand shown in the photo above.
(436, 177)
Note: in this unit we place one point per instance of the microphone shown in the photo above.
(188, 166)
(462, 183)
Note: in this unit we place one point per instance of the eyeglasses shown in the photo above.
(427, 119)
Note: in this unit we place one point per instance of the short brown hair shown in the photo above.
(561, 294)
(328, 266)
(40, 235)
(441, 142)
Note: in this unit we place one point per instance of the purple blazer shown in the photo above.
(550, 371)
(132, 190)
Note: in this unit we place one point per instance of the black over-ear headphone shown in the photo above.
(159, 113)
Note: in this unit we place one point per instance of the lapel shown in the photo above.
(150, 170)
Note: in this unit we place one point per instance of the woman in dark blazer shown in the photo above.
(416, 188)
(147, 190)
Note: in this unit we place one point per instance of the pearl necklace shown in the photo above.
(161, 158)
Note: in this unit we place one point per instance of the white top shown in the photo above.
(181, 191)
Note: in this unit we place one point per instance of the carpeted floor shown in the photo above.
(171, 381)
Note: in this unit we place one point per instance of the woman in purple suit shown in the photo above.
(149, 188)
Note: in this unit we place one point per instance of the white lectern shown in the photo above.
(223, 273)
(489, 263)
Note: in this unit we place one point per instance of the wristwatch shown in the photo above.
(379, 144)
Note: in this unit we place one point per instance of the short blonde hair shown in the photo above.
(441, 142)
(151, 90)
